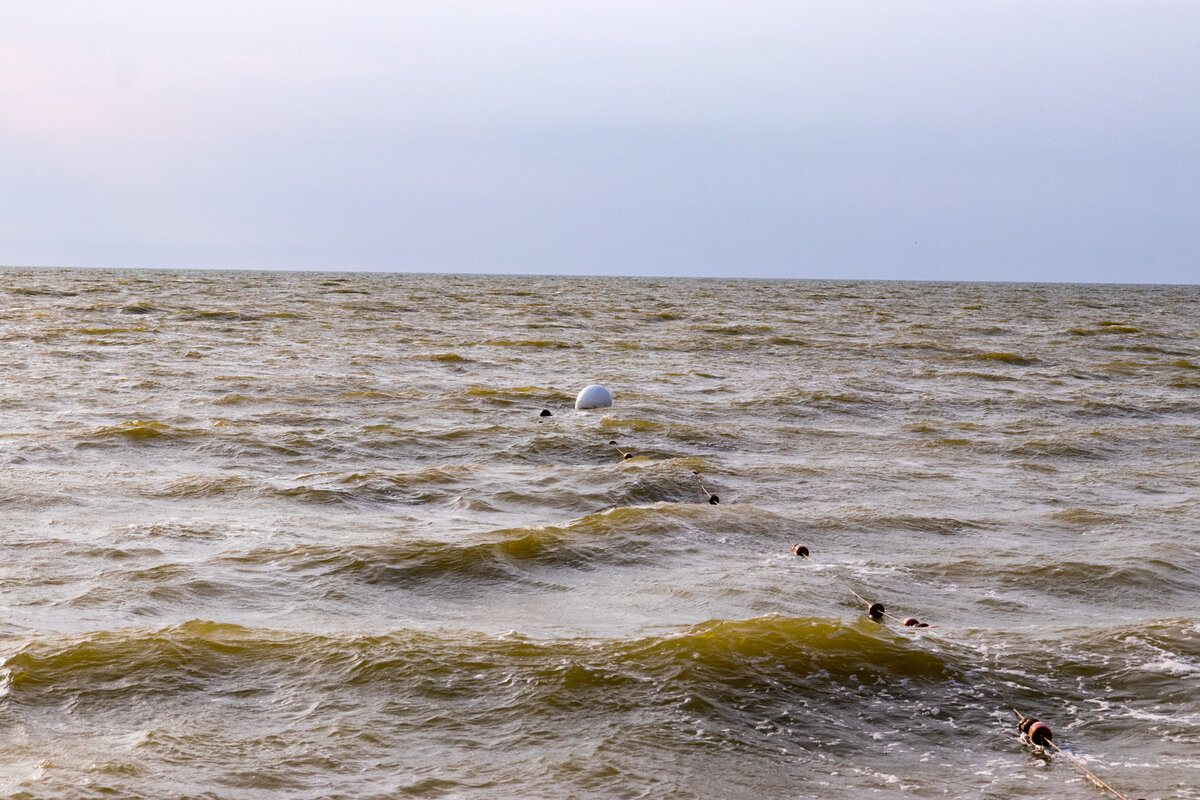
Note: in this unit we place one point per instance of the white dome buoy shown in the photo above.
(594, 396)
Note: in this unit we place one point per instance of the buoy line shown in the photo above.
(712, 498)
(1039, 733)
(624, 455)
(1035, 731)
(877, 611)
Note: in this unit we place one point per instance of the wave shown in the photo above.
(559, 475)
(527, 557)
(1125, 582)
(722, 658)
(733, 330)
(1065, 449)
(445, 358)
(109, 331)
(731, 672)
(1006, 358)
(42, 292)
(138, 431)
(205, 487)
(981, 376)
(217, 315)
(870, 520)
(1105, 327)
(633, 425)
(520, 393)
(350, 489)
(533, 343)
(1088, 518)
(139, 308)
(732, 652)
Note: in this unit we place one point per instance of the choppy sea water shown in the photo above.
(306, 535)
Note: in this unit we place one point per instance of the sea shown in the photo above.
(313, 535)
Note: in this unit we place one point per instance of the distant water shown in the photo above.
(306, 536)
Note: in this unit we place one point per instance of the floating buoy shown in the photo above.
(624, 456)
(594, 396)
(800, 550)
(1038, 732)
(877, 612)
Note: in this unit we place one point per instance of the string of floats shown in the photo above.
(1032, 730)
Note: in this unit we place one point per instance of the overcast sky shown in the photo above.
(1039, 140)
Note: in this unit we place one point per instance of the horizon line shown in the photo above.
(370, 271)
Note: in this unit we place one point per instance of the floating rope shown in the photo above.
(624, 456)
(712, 498)
(1036, 731)
(876, 611)
(1040, 734)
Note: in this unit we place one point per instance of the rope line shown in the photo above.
(872, 608)
(1095, 780)
(1039, 733)
(712, 498)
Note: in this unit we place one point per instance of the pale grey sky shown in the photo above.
(1040, 140)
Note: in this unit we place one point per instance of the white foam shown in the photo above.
(1173, 666)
